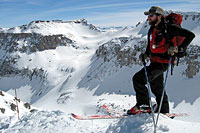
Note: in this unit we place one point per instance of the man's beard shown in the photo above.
(154, 21)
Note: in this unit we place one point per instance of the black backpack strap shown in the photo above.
(169, 41)
(166, 33)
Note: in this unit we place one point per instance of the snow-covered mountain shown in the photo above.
(72, 66)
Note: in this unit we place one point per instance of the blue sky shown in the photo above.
(98, 12)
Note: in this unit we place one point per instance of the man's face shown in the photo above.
(153, 19)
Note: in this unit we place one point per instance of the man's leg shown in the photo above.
(139, 82)
(157, 89)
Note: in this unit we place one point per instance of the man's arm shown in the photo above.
(175, 30)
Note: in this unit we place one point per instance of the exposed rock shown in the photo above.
(13, 106)
(27, 105)
(17, 99)
(193, 64)
(2, 110)
(1, 93)
(31, 42)
(64, 97)
(123, 55)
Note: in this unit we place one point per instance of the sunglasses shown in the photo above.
(151, 15)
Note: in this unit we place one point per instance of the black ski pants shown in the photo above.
(155, 76)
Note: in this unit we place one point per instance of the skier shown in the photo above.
(160, 48)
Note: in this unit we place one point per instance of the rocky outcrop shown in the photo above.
(31, 42)
(85, 22)
(121, 52)
(27, 43)
(192, 61)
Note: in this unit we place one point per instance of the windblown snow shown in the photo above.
(79, 78)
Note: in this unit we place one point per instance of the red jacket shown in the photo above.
(163, 36)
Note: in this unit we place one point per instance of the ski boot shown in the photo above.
(139, 109)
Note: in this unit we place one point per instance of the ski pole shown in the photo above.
(161, 100)
(149, 93)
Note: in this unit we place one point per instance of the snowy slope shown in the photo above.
(96, 69)
(75, 30)
(9, 109)
(57, 121)
(8, 104)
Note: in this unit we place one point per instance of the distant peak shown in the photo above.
(59, 21)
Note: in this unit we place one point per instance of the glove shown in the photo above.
(142, 57)
(172, 50)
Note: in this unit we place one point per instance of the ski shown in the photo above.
(170, 115)
(93, 117)
(117, 115)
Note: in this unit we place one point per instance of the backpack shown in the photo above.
(175, 18)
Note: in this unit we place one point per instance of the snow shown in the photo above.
(76, 81)
(71, 29)
(54, 121)
(6, 100)
(23, 90)
(143, 124)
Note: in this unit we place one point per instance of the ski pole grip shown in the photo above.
(143, 60)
